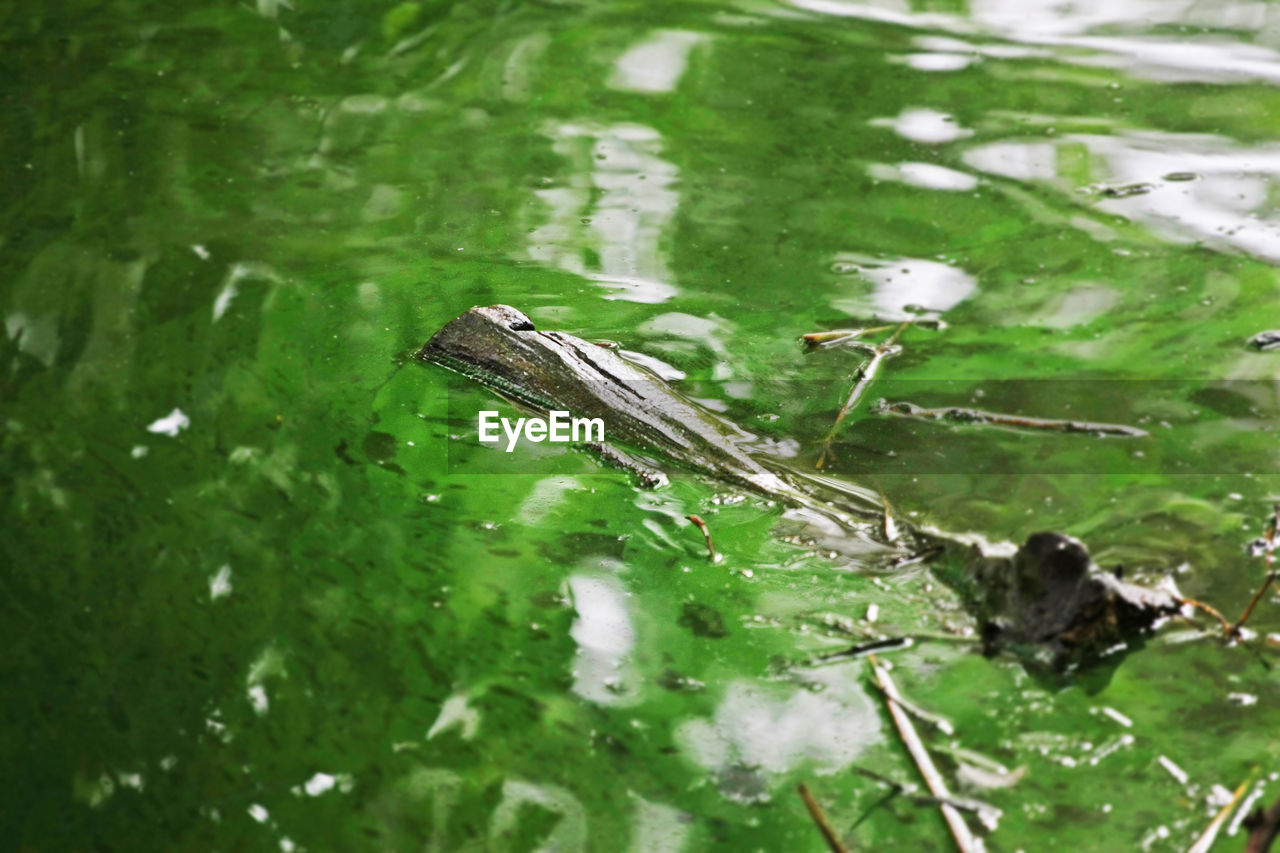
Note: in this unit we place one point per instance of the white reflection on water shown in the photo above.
(1084, 302)
(570, 831)
(1221, 192)
(691, 333)
(925, 175)
(455, 712)
(171, 424)
(547, 495)
(655, 64)
(602, 670)
(937, 61)
(1021, 161)
(658, 828)
(900, 287)
(269, 664)
(1111, 33)
(607, 219)
(774, 729)
(923, 125)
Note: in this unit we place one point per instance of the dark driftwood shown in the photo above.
(1049, 595)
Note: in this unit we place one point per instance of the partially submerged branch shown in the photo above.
(866, 374)
(976, 416)
(820, 819)
(1270, 576)
(908, 792)
(965, 840)
(839, 336)
(1210, 834)
(1211, 610)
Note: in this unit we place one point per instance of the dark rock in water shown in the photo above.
(1052, 600)
(1266, 340)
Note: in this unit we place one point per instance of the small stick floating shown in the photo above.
(965, 840)
(820, 818)
(908, 791)
(1212, 611)
(976, 416)
(1205, 841)
(835, 336)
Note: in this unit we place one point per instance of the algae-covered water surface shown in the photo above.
(263, 588)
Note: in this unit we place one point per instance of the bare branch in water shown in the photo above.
(835, 337)
(965, 840)
(866, 374)
(820, 818)
(1210, 834)
(909, 792)
(975, 416)
(1212, 611)
(839, 336)
(1270, 577)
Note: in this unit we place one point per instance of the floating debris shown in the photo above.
(820, 819)
(981, 418)
(1123, 191)
(1205, 841)
(1266, 341)
(964, 838)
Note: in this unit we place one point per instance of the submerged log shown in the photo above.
(1049, 597)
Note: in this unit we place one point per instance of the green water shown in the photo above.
(316, 616)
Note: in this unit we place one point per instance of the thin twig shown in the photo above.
(907, 791)
(866, 374)
(976, 416)
(867, 648)
(902, 641)
(939, 722)
(965, 840)
(706, 534)
(1210, 834)
(835, 336)
(1211, 610)
(1270, 574)
(820, 818)
(1248, 611)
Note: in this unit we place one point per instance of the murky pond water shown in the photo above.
(263, 591)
